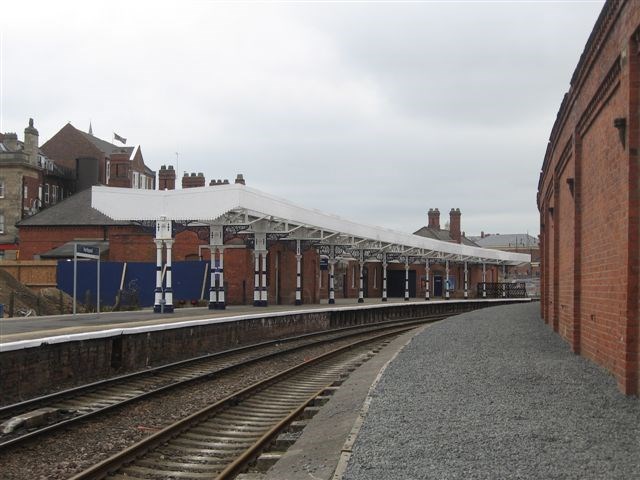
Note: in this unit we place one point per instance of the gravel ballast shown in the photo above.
(496, 394)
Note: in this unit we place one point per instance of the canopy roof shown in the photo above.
(250, 211)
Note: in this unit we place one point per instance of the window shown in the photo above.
(1, 187)
(135, 180)
(353, 276)
(25, 192)
(107, 173)
(54, 194)
(1, 222)
(375, 278)
(46, 193)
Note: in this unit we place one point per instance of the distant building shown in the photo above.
(95, 161)
(514, 242)
(29, 182)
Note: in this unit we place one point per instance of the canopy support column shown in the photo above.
(466, 280)
(361, 289)
(263, 287)
(384, 278)
(484, 280)
(221, 300)
(298, 274)
(168, 291)
(427, 290)
(406, 280)
(157, 303)
(446, 283)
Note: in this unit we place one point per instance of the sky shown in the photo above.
(373, 111)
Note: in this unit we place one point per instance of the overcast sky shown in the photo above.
(372, 111)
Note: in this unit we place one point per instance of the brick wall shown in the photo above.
(590, 250)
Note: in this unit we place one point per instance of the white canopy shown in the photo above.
(240, 205)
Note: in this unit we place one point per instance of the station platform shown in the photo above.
(29, 328)
(492, 393)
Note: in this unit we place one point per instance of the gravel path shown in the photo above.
(496, 394)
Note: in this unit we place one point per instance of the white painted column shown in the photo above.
(406, 280)
(332, 292)
(427, 290)
(446, 282)
(484, 280)
(221, 301)
(361, 289)
(384, 280)
(298, 274)
(466, 280)
(256, 279)
(263, 288)
(168, 291)
(157, 303)
(213, 292)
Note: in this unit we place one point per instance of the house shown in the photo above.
(96, 161)
(29, 182)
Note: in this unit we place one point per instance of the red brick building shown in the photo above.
(588, 198)
(101, 162)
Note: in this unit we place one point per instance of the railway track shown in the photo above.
(78, 404)
(219, 441)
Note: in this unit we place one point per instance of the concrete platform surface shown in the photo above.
(488, 394)
(28, 328)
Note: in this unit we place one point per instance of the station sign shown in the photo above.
(324, 263)
(88, 251)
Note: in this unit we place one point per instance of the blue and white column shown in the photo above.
(221, 301)
(484, 280)
(298, 274)
(446, 283)
(361, 287)
(256, 279)
(168, 291)
(157, 303)
(427, 290)
(466, 280)
(213, 289)
(406, 280)
(332, 291)
(384, 278)
(263, 287)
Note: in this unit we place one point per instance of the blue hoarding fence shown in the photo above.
(190, 280)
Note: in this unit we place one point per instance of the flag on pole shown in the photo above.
(119, 138)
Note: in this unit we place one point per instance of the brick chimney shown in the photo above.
(434, 218)
(454, 224)
(11, 141)
(240, 179)
(193, 180)
(166, 178)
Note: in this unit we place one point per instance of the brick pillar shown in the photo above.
(454, 224)
(166, 178)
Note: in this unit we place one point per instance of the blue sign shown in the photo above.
(324, 264)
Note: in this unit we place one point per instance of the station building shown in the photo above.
(589, 201)
(52, 233)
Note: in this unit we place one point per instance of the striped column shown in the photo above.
(466, 280)
(361, 289)
(504, 281)
(213, 291)
(406, 281)
(298, 274)
(168, 291)
(446, 283)
(221, 301)
(332, 292)
(384, 280)
(157, 303)
(484, 280)
(263, 288)
(256, 279)
(427, 290)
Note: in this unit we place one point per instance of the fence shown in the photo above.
(35, 274)
(499, 290)
(132, 284)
